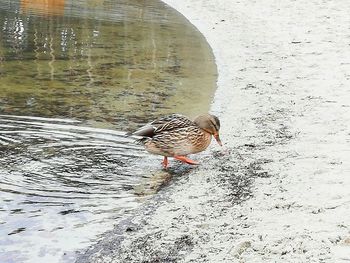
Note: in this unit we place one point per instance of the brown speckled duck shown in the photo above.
(177, 136)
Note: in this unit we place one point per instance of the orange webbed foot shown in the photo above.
(185, 159)
(165, 162)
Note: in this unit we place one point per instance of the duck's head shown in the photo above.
(210, 124)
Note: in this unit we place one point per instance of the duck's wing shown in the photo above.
(171, 122)
(166, 123)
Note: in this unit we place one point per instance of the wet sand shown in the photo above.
(280, 191)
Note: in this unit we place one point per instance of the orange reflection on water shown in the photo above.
(43, 7)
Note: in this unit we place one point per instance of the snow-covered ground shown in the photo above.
(281, 190)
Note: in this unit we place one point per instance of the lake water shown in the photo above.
(74, 77)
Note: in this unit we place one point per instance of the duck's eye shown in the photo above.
(214, 126)
(217, 122)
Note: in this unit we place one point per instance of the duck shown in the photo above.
(177, 136)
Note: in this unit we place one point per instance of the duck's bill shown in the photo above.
(217, 138)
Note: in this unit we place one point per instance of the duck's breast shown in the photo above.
(199, 141)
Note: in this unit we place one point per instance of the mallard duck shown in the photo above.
(177, 136)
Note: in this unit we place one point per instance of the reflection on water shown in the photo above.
(47, 7)
(68, 71)
(101, 62)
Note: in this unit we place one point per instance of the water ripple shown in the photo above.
(57, 176)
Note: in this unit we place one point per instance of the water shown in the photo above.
(74, 76)
(63, 185)
(101, 62)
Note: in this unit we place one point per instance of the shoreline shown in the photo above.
(281, 193)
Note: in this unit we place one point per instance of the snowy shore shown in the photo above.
(281, 192)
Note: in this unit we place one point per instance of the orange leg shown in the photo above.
(165, 162)
(185, 159)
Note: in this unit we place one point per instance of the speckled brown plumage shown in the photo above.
(177, 136)
(178, 141)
